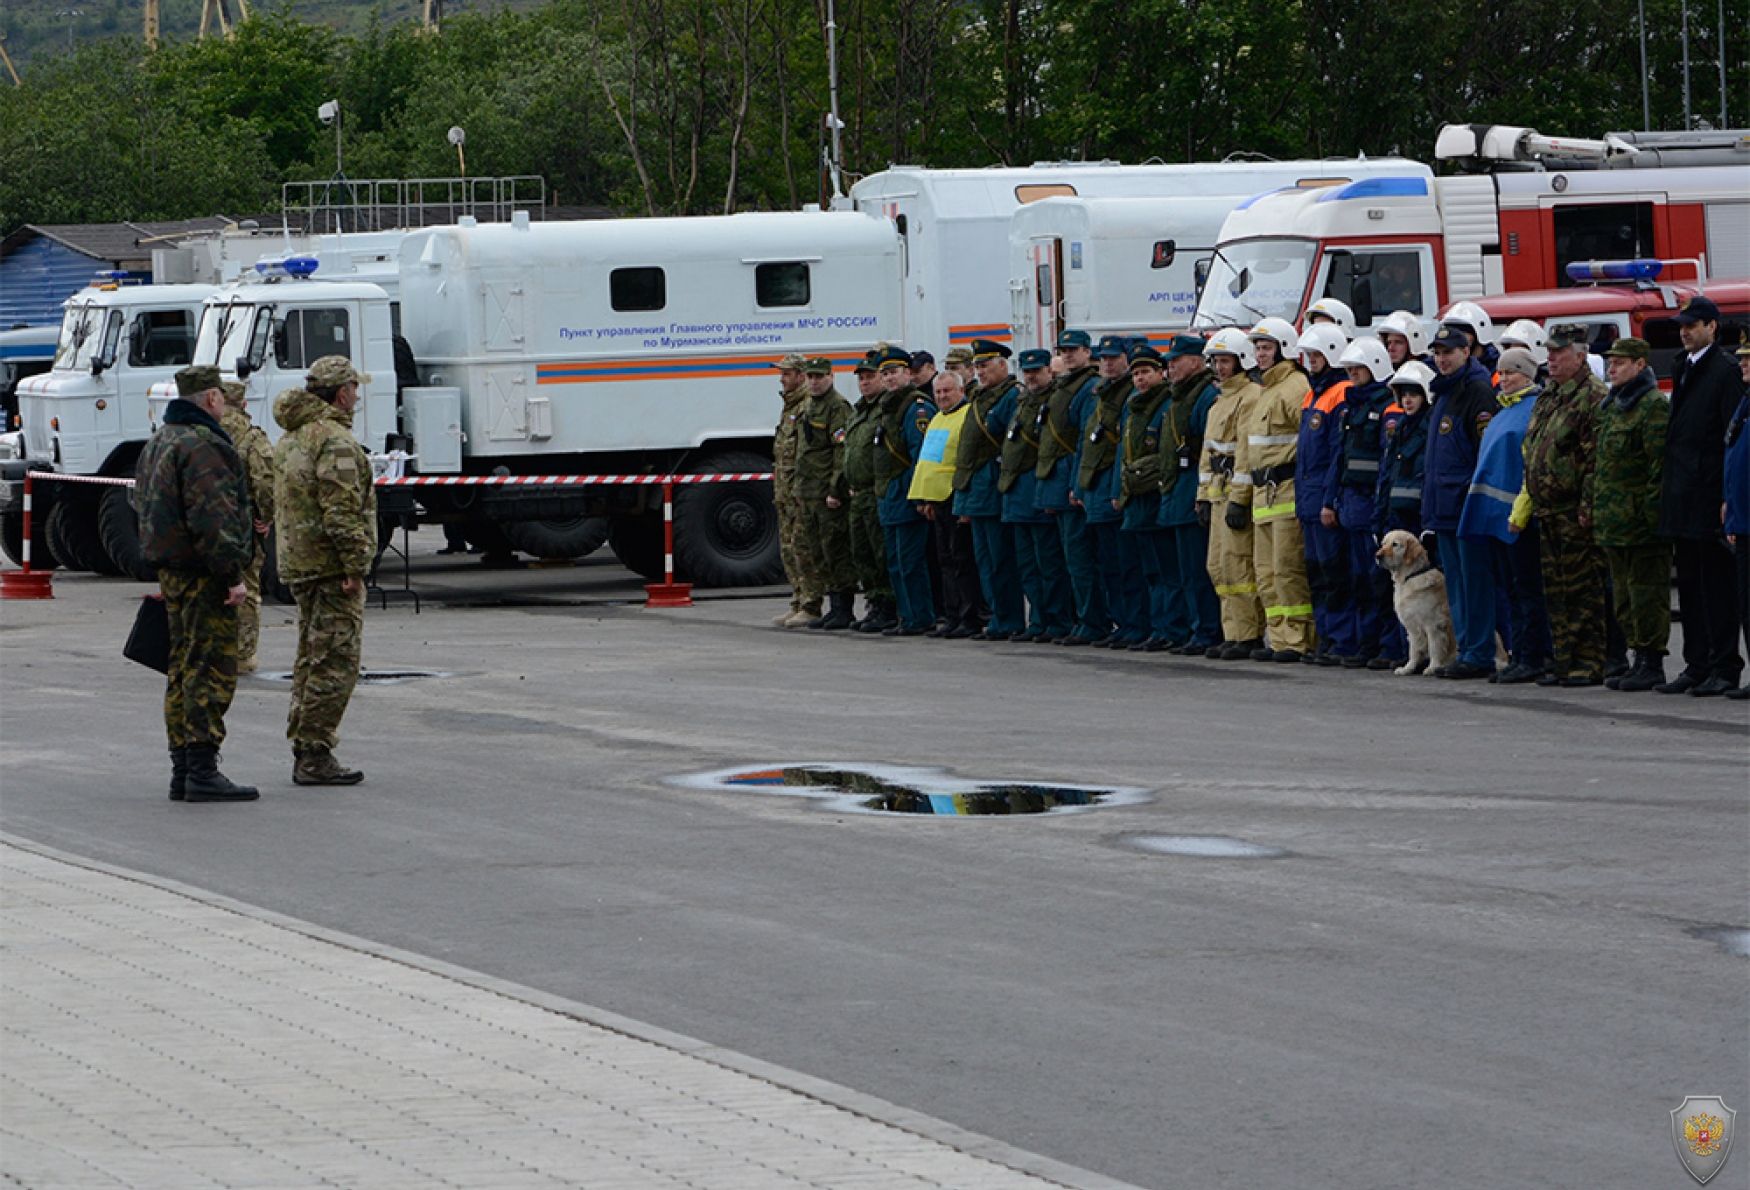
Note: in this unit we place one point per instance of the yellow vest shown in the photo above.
(933, 480)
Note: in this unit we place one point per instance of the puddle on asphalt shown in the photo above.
(887, 789)
(1204, 846)
(1731, 939)
(370, 677)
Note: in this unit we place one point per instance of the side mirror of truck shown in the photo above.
(242, 367)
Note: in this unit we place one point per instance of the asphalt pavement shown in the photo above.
(1491, 944)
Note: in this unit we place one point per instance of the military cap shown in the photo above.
(1631, 349)
(869, 362)
(794, 362)
(959, 355)
(983, 349)
(1185, 344)
(194, 380)
(1517, 359)
(234, 394)
(1134, 341)
(920, 358)
(1698, 309)
(332, 371)
(1568, 334)
(1074, 339)
(1111, 346)
(1743, 341)
(1035, 357)
(1145, 356)
(888, 356)
(817, 365)
(1450, 337)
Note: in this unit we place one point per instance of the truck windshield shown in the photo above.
(223, 334)
(1251, 280)
(81, 335)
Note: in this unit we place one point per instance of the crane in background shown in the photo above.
(212, 11)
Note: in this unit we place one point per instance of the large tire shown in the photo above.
(72, 532)
(42, 554)
(637, 542)
(726, 534)
(577, 537)
(272, 590)
(118, 525)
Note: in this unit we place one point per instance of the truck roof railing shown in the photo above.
(1485, 147)
(389, 204)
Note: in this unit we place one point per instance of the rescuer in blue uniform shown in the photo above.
(1184, 539)
(1060, 439)
(1351, 485)
(1321, 442)
(1038, 550)
(905, 417)
(1139, 497)
(1097, 482)
(989, 412)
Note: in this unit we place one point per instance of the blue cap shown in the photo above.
(983, 349)
(1144, 354)
(1698, 309)
(1185, 344)
(892, 357)
(1074, 339)
(1135, 341)
(1035, 357)
(1111, 346)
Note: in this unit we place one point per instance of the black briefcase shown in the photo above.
(149, 642)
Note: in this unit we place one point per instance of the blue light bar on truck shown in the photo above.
(1615, 270)
(291, 266)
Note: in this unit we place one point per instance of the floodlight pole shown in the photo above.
(832, 71)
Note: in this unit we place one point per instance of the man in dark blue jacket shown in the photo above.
(1464, 402)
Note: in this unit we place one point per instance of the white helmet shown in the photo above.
(1414, 374)
(1367, 353)
(1529, 335)
(1278, 329)
(1402, 322)
(1337, 312)
(1325, 339)
(1231, 340)
(1473, 316)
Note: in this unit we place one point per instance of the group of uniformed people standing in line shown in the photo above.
(1225, 496)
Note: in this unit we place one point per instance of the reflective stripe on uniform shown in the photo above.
(1297, 609)
(1220, 448)
(1236, 588)
(1493, 493)
(1272, 439)
(1244, 481)
(1404, 492)
(1275, 510)
(1205, 476)
(1363, 464)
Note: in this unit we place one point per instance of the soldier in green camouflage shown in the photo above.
(194, 527)
(799, 564)
(257, 455)
(1623, 512)
(825, 526)
(854, 488)
(326, 515)
(1560, 446)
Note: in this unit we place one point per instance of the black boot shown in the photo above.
(1648, 672)
(838, 614)
(205, 783)
(881, 617)
(178, 773)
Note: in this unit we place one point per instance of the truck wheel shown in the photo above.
(72, 532)
(271, 587)
(637, 542)
(42, 555)
(577, 537)
(726, 534)
(118, 525)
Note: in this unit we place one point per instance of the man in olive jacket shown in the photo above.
(195, 528)
(326, 516)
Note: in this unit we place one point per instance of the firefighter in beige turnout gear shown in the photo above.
(1265, 449)
(1222, 483)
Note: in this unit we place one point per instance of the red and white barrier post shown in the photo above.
(27, 583)
(668, 593)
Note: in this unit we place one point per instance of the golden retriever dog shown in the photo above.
(1419, 598)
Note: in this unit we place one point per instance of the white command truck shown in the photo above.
(1134, 265)
(87, 415)
(602, 347)
(1418, 242)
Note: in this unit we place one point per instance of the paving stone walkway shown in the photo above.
(156, 1037)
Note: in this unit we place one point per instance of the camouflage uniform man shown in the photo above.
(1624, 509)
(326, 514)
(257, 455)
(194, 527)
(1560, 444)
(854, 489)
(826, 527)
(799, 565)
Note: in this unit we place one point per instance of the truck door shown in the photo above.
(1045, 295)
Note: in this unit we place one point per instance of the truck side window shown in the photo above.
(308, 334)
(1373, 284)
(1661, 335)
(781, 284)
(637, 289)
(161, 339)
(1601, 231)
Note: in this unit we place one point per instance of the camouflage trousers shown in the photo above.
(1640, 582)
(203, 658)
(1573, 594)
(828, 531)
(868, 546)
(799, 565)
(249, 611)
(331, 626)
